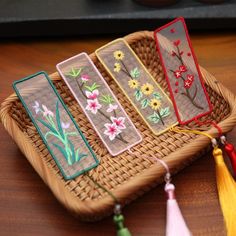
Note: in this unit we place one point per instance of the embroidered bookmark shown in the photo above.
(55, 124)
(182, 71)
(141, 89)
(100, 105)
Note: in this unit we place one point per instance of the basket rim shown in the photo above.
(151, 175)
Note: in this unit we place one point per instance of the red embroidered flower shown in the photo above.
(177, 73)
(176, 43)
(188, 84)
(189, 54)
(173, 54)
(172, 30)
(190, 78)
(181, 53)
(183, 68)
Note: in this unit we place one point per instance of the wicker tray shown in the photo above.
(127, 176)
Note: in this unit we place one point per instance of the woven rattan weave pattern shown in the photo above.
(128, 176)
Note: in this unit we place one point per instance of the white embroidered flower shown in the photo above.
(36, 107)
(111, 131)
(46, 112)
(93, 105)
(92, 95)
(119, 122)
(65, 125)
(111, 108)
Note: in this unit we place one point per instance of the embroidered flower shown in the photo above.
(183, 68)
(188, 84)
(119, 122)
(173, 54)
(84, 78)
(147, 89)
(177, 73)
(46, 112)
(112, 107)
(133, 83)
(117, 67)
(119, 55)
(190, 78)
(93, 105)
(176, 43)
(189, 54)
(111, 131)
(92, 95)
(36, 107)
(155, 104)
(172, 30)
(65, 125)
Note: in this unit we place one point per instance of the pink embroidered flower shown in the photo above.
(190, 78)
(92, 95)
(176, 43)
(183, 68)
(65, 125)
(93, 105)
(46, 112)
(188, 84)
(111, 131)
(119, 122)
(177, 73)
(84, 78)
(112, 107)
(36, 107)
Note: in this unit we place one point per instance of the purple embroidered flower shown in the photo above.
(92, 95)
(65, 125)
(119, 122)
(46, 112)
(84, 78)
(111, 108)
(93, 105)
(111, 130)
(36, 107)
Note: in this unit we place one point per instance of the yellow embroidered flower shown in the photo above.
(133, 83)
(147, 89)
(117, 67)
(155, 104)
(119, 55)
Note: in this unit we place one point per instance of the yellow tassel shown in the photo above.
(227, 192)
(225, 183)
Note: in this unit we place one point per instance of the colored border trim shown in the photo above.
(40, 133)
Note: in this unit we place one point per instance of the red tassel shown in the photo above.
(229, 149)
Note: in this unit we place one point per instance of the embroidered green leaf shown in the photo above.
(156, 95)
(92, 87)
(145, 102)
(164, 112)
(61, 149)
(138, 94)
(107, 99)
(59, 121)
(154, 118)
(74, 72)
(79, 156)
(47, 125)
(72, 160)
(135, 73)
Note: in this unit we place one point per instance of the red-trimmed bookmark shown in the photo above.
(182, 72)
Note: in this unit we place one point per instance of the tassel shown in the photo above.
(229, 149)
(119, 221)
(227, 191)
(175, 225)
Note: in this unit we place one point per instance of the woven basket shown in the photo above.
(127, 176)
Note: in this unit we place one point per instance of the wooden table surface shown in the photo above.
(27, 207)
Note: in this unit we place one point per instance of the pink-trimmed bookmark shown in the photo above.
(100, 105)
(182, 72)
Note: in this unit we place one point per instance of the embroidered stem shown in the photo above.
(80, 86)
(126, 69)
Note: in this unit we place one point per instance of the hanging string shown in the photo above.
(225, 183)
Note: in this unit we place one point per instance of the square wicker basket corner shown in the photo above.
(127, 176)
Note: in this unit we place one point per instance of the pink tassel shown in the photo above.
(175, 225)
